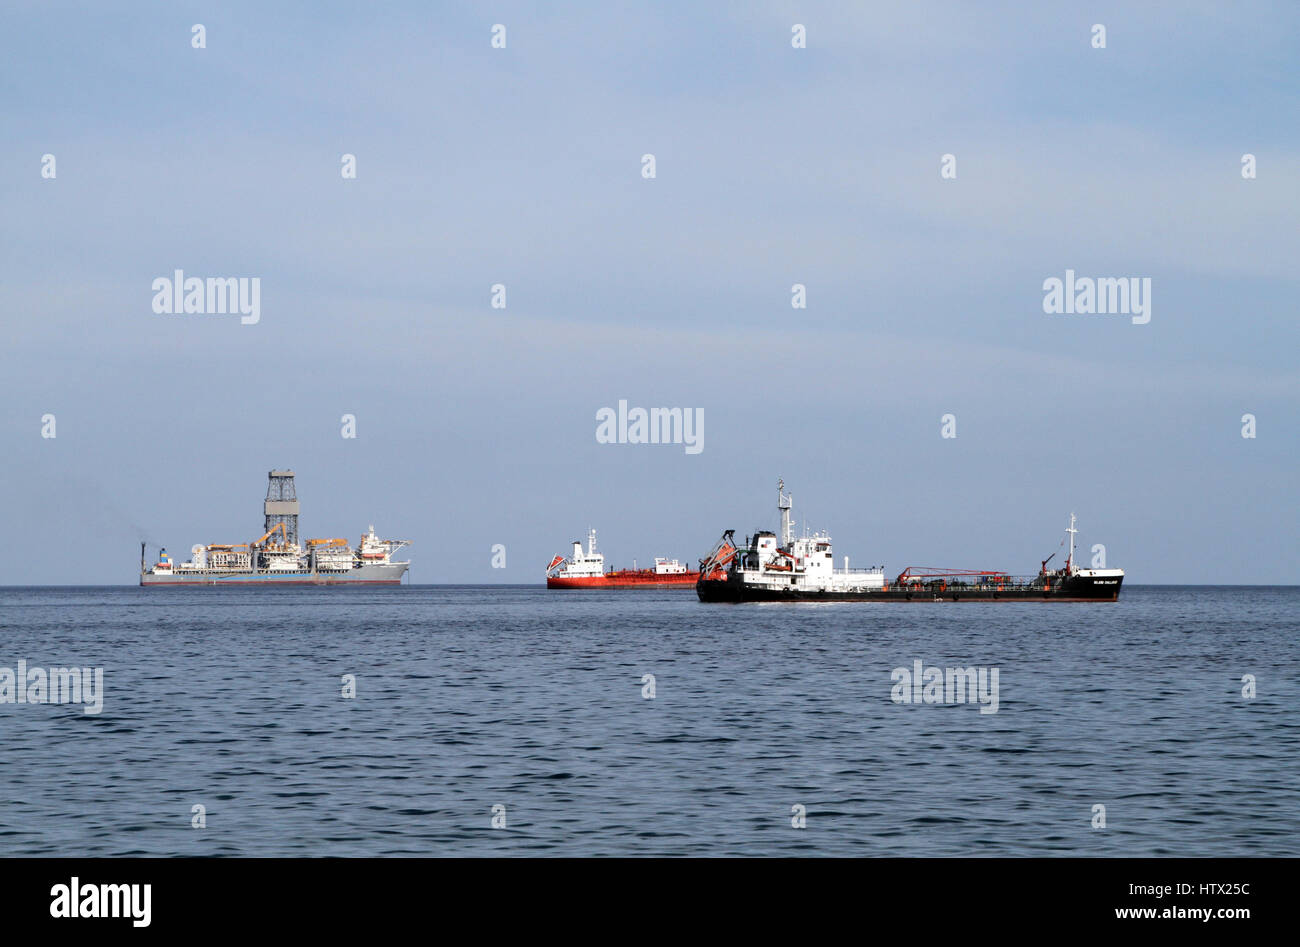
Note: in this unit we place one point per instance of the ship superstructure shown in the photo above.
(770, 568)
(586, 570)
(277, 557)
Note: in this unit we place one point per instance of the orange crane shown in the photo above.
(267, 534)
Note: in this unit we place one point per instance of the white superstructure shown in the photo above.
(805, 564)
(378, 551)
(580, 565)
(323, 555)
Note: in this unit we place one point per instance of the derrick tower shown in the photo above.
(282, 504)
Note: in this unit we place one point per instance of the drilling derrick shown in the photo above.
(281, 505)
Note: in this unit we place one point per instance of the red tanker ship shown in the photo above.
(587, 571)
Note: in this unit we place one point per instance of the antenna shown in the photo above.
(1070, 567)
(783, 503)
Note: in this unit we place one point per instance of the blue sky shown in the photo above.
(775, 166)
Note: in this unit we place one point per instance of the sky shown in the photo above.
(774, 166)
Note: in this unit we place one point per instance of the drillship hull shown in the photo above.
(1072, 589)
(375, 574)
(625, 580)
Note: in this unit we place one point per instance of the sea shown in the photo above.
(513, 721)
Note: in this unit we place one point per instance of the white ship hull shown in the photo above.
(388, 574)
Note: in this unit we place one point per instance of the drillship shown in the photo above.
(277, 558)
(787, 569)
(587, 571)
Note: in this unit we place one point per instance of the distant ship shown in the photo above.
(768, 568)
(277, 558)
(587, 571)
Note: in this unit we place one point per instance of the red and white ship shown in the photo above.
(587, 571)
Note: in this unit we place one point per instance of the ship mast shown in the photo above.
(783, 501)
(1069, 563)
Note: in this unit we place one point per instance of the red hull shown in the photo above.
(626, 580)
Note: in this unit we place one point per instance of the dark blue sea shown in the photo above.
(468, 698)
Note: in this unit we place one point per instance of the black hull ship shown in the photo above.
(768, 568)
